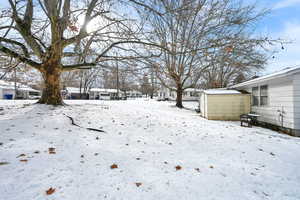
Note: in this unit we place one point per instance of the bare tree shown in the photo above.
(192, 33)
(42, 34)
(232, 65)
(145, 85)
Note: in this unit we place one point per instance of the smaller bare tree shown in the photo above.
(193, 33)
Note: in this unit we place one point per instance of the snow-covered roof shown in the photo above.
(6, 85)
(11, 85)
(133, 92)
(192, 90)
(29, 89)
(221, 91)
(282, 73)
(104, 90)
(73, 90)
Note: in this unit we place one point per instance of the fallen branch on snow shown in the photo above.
(90, 129)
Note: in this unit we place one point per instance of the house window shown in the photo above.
(255, 97)
(263, 95)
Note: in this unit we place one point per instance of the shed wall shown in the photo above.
(227, 107)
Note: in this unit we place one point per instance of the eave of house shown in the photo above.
(279, 74)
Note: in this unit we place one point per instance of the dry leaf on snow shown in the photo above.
(50, 191)
(138, 184)
(197, 169)
(114, 166)
(51, 150)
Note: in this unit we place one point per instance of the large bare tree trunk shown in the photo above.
(52, 90)
(179, 97)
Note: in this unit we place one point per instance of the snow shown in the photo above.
(221, 91)
(146, 140)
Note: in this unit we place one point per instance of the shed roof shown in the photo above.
(281, 73)
(221, 91)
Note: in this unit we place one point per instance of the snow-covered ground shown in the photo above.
(149, 150)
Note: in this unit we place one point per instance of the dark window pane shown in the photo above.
(255, 97)
(263, 95)
(264, 90)
(263, 101)
(254, 100)
(255, 91)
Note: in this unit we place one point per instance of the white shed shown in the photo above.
(276, 98)
(222, 104)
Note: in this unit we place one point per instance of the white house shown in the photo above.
(7, 91)
(26, 92)
(133, 94)
(105, 94)
(74, 93)
(190, 94)
(276, 98)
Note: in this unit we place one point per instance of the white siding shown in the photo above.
(280, 97)
(296, 83)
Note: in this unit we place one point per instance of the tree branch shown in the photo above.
(25, 51)
(83, 32)
(24, 27)
(19, 57)
(124, 42)
(78, 66)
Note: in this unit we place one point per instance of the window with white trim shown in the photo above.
(260, 96)
(263, 95)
